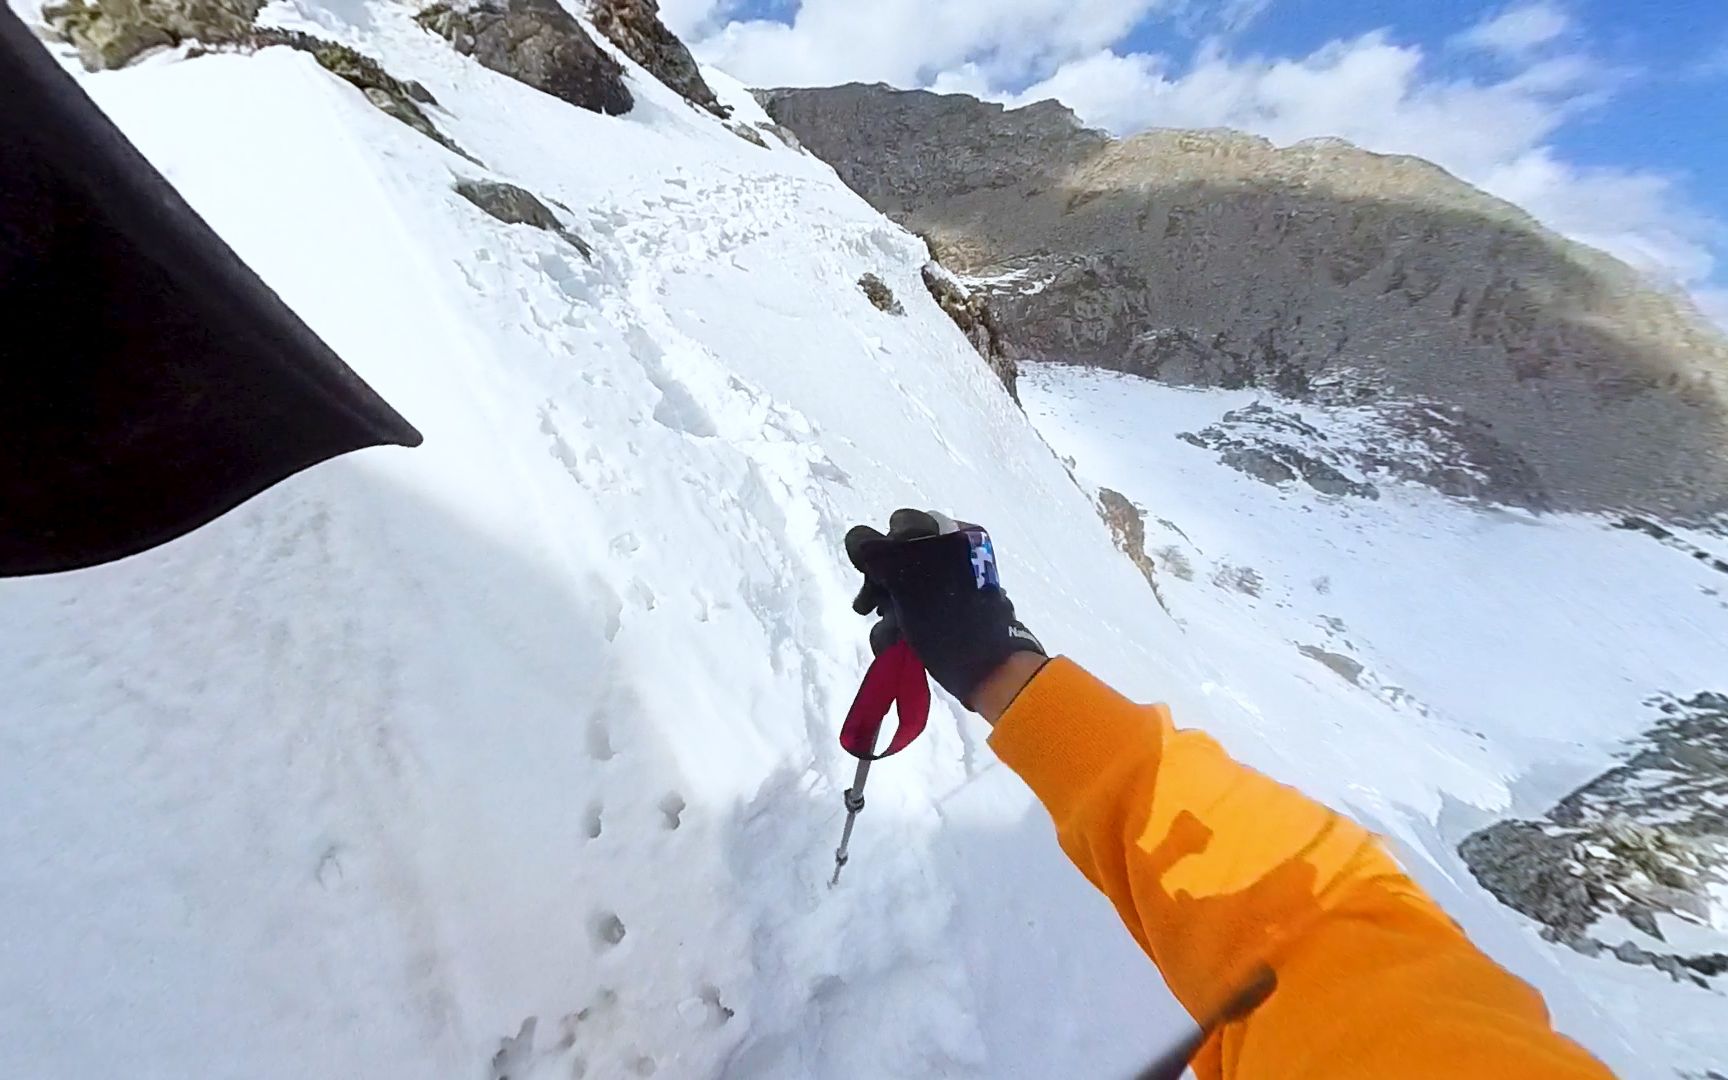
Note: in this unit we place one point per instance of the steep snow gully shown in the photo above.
(514, 755)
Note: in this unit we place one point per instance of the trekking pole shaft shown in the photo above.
(854, 798)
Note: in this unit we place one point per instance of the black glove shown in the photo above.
(934, 581)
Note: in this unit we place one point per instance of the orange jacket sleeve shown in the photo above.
(1221, 873)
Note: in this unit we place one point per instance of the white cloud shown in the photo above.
(1234, 15)
(1368, 90)
(1197, 17)
(1639, 217)
(694, 19)
(968, 78)
(908, 42)
(1518, 30)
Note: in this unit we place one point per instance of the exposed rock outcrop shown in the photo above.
(747, 133)
(781, 132)
(514, 206)
(881, 297)
(972, 314)
(536, 42)
(1715, 561)
(1128, 527)
(635, 27)
(1243, 579)
(1347, 668)
(1276, 448)
(348, 64)
(394, 97)
(1646, 839)
(1364, 446)
(108, 33)
(1210, 258)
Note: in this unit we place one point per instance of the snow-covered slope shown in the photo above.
(531, 731)
(515, 754)
(1425, 665)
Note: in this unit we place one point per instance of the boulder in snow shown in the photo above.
(880, 295)
(514, 206)
(1345, 667)
(538, 43)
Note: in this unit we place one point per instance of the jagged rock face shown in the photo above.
(536, 42)
(1647, 838)
(108, 33)
(1213, 259)
(635, 27)
(906, 152)
(972, 314)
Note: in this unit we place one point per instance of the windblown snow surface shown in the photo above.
(514, 754)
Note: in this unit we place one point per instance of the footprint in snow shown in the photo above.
(514, 1054)
(672, 808)
(608, 930)
(600, 740)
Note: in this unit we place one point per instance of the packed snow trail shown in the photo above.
(515, 754)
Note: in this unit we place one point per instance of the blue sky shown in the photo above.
(1669, 112)
(1607, 119)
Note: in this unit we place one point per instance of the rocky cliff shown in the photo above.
(1319, 271)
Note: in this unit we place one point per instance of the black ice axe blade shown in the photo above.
(149, 381)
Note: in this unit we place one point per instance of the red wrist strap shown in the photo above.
(896, 677)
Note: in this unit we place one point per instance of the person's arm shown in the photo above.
(1286, 931)
(1226, 877)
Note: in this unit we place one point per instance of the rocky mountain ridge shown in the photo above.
(1318, 271)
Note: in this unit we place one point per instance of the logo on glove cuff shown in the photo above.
(984, 573)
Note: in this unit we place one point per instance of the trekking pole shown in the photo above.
(854, 804)
(896, 678)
